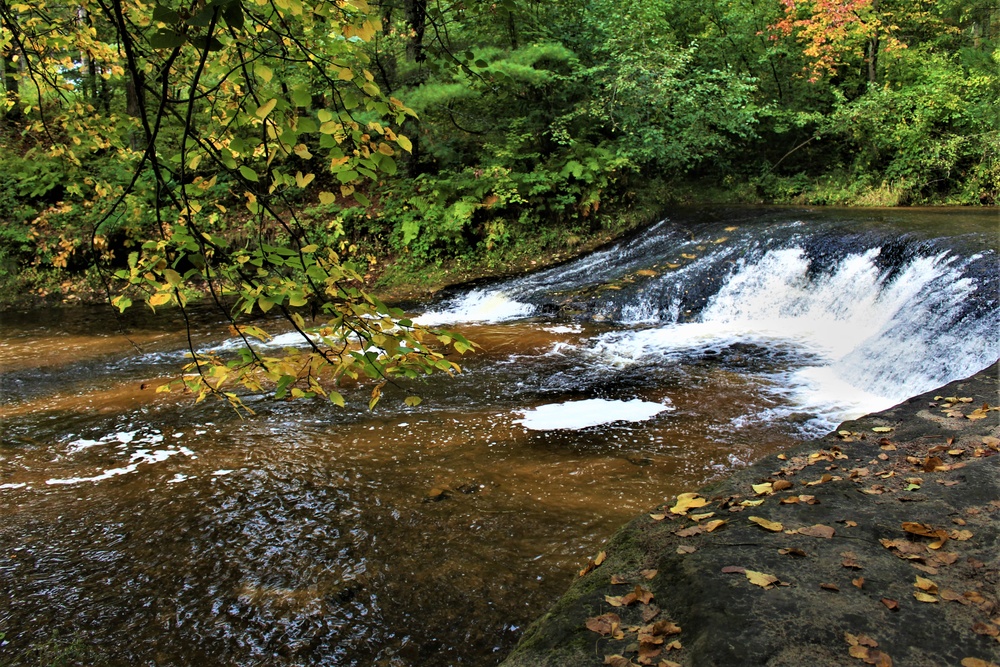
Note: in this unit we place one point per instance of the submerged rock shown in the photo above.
(876, 544)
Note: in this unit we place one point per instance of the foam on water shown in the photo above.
(477, 306)
(575, 415)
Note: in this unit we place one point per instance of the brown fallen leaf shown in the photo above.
(819, 530)
(596, 562)
(648, 653)
(772, 526)
(781, 485)
(649, 612)
(960, 535)
(953, 596)
(689, 532)
(605, 624)
(648, 574)
(860, 640)
(654, 633)
(891, 605)
(792, 551)
(618, 579)
(657, 517)
(668, 663)
(616, 661)
(977, 662)
(733, 569)
(686, 549)
(822, 480)
(830, 587)
(858, 583)
(986, 629)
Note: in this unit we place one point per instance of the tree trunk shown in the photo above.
(134, 92)
(873, 45)
(11, 85)
(416, 16)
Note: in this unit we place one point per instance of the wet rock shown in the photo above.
(882, 538)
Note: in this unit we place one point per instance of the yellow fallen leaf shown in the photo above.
(761, 579)
(699, 517)
(688, 501)
(924, 597)
(925, 585)
(883, 429)
(712, 525)
(977, 662)
(772, 526)
(751, 503)
(763, 489)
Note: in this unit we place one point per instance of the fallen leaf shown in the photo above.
(891, 605)
(819, 530)
(712, 525)
(857, 651)
(924, 597)
(822, 480)
(772, 526)
(686, 549)
(648, 574)
(688, 501)
(925, 585)
(649, 612)
(751, 503)
(605, 624)
(761, 579)
(657, 517)
(830, 587)
(977, 662)
(617, 579)
(655, 632)
(986, 629)
(689, 532)
(781, 485)
(858, 583)
(700, 517)
(763, 489)
(793, 552)
(882, 429)
(616, 661)
(594, 563)
(668, 663)
(641, 594)
(960, 535)
(953, 596)
(733, 569)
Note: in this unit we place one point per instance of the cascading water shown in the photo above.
(869, 316)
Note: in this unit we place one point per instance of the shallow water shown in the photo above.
(143, 529)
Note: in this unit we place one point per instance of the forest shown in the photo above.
(280, 153)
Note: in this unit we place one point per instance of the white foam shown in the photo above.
(478, 306)
(19, 485)
(575, 415)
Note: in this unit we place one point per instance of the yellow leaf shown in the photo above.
(763, 489)
(404, 143)
(925, 585)
(345, 74)
(772, 526)
(688, 501)
(303, 151)
(712, 525)
(266, 108)
(159, 299)
(303, 181)
(924, 597)
(882, 429)
(264, 72)
(327, 197)
(761, 579)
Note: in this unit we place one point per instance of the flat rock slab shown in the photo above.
(877, 544)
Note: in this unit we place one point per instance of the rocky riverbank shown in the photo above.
(876, 544)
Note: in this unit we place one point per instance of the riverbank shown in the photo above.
(878, 543)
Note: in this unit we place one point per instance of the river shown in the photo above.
(141, 528)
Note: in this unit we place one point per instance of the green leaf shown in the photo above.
(404, 143)
(166, 39)
(347, 175)
(165, 14)
(249, 173)
(413, 401)
(361, 199)
(233, 13)
(265, 303)
(336, 398)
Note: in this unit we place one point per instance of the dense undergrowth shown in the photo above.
(536, 131)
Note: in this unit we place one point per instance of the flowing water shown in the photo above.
(141, 529)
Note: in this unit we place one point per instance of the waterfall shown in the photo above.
(870, 315)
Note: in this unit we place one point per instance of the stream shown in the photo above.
(140, 528)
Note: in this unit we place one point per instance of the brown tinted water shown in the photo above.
(309, 534)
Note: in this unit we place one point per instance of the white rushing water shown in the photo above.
(575, 415)
(865, 337)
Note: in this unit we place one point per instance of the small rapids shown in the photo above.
(141, 528)
(869, 317)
